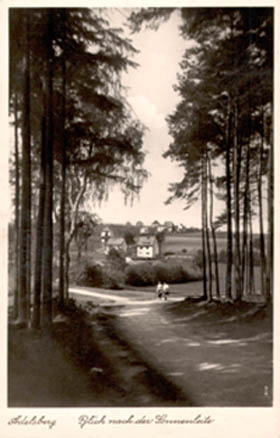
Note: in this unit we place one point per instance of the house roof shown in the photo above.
(116, 241)
(146, 241)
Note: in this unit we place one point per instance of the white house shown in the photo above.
(147, 247)
(144, 230)
(106, 234)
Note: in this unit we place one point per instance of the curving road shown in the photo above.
(109, 297)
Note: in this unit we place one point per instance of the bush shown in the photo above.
(99, 276)
(113, 279)
(191, 273)
(198, 259)
(161, 271)
(147, 274)
(91, 276)
(115, 260)
(140, 274)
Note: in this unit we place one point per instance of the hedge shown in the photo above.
(149, 273)
(98, 276)
(138, 274)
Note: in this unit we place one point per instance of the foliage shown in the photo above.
(91, 276)
(140, 274)
(129, 237)
(224, 116)
(198, 258)
(171, 271)
(78, 131)
(115, 260)
(113, 278)
(94, 275)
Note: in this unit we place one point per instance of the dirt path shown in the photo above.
(212, 369)
(135, 350)
(210, 362)
(109, 296)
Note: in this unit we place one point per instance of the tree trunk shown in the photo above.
(203, 227)
(79, 246)
(48, 208)
(260, 201)
(67, 266)
(213, 232)
(73, 225)
(25, 228)
(236, 174)
(251, 250)
(270, 212)
(244, 256)
(74, 209)
(246, 206)
(17, 212)
(228, 289)
(209, 254)
(40, 232)
(63, 189)
(62, 250)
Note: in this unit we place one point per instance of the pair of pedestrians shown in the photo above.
(162, 290)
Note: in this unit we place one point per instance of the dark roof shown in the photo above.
(146, 240)
(116, 241)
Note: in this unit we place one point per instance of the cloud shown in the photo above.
(156, 139)
(147, 112)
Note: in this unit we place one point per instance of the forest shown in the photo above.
(74, 137)
(225, 114)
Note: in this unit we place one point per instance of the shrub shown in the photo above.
(99, 276)
(140, 274)
(91, 276)
(113, 279)
(175, 271)
(161, 271)
(115, 260)
(191, 273)
(198, 259)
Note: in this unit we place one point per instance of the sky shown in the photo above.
(150, 93)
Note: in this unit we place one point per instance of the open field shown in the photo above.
(188, 243)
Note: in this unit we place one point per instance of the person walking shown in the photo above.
(159, 290)
(165, 291)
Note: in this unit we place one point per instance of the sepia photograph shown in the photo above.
(141, 214)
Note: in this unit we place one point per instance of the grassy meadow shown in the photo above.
(188, 243)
